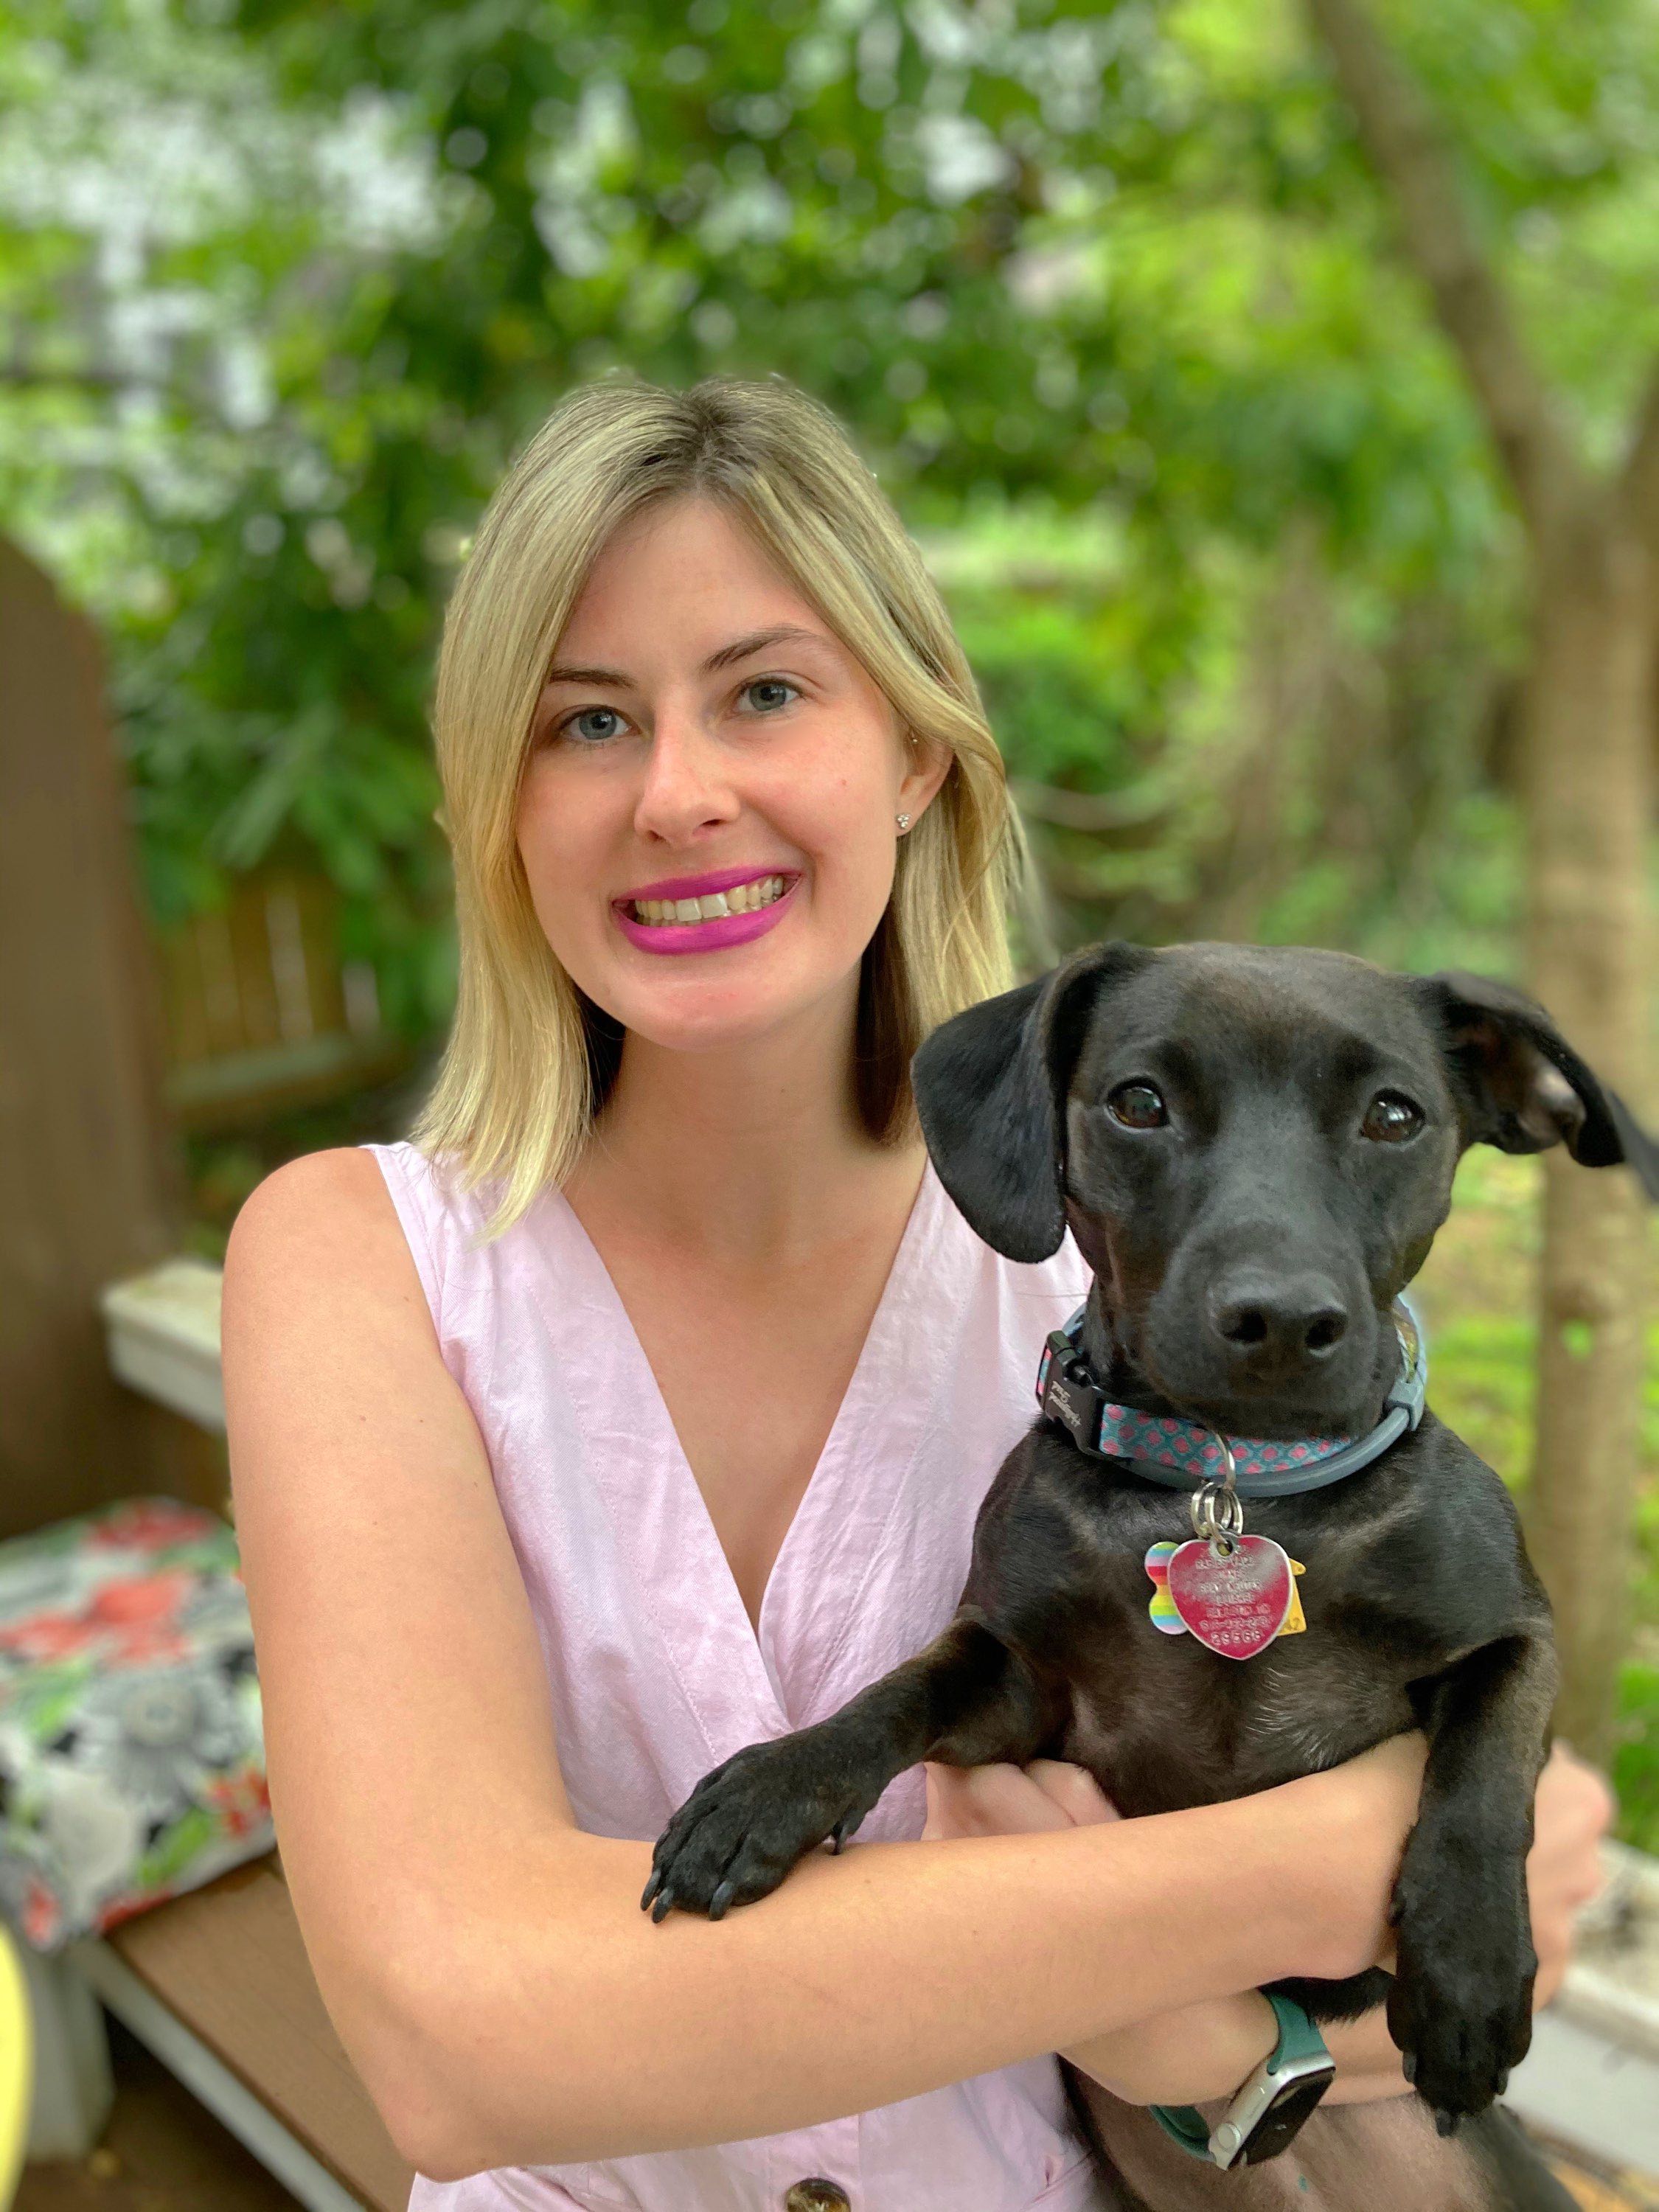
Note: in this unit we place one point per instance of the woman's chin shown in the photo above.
(713, 1013)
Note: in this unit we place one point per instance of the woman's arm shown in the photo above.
(486, 1963)
(1207, 2051)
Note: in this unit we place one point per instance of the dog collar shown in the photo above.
(1180, 1453)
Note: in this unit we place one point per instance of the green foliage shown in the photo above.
(1477, 1296)
(1120, 260)
(1635, 1762)
(1104, 293)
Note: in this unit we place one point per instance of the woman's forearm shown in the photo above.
(561, 2024)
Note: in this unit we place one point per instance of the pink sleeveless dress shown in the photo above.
(657, 1674)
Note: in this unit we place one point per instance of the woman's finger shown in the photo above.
(987, 1801)
(1572, 1812)
(1074, 1790)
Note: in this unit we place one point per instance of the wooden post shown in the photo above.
(90, 1189)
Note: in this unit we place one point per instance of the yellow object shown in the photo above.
(16, 2067)
(1295, 1621)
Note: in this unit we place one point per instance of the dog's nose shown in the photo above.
(1301, 1317)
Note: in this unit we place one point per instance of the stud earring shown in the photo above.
(903, 821)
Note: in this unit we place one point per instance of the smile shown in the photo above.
(713, 906)
(733, 912)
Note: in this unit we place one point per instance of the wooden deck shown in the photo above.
(226, 1964)
(161, 2152)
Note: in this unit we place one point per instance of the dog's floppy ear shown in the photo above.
(990, 1088)
(1520, 1086)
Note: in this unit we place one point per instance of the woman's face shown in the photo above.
(704, 738)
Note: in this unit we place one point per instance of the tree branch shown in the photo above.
(1099, 813)
(1639, 478)
(1409, 152)
(22, 374)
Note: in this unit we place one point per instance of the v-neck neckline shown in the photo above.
(660, 1510)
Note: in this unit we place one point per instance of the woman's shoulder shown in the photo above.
(361, 1211)
(323, 1226)
(342, 1186)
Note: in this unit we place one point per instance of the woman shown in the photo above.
(644, 1410)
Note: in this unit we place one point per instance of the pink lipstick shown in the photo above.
(711, 936)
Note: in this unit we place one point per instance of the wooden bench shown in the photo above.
(217, 1982)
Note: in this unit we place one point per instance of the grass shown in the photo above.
(1477, 1296)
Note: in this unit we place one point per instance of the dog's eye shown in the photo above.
(1138, 1106)
(1391, 1117)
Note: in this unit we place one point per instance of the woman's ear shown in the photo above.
(991, 1086)
(928, 762)
(1521, 1087)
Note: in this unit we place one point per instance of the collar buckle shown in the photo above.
(1067, 1391)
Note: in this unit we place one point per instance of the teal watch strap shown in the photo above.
(1185, 2124)
(1298, 2038)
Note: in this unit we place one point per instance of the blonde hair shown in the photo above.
(530, 1057)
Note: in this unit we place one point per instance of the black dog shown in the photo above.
(1254, 1150)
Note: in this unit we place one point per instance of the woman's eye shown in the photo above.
(1138, 1106)
(767, 693)
(594, 724)
(1392, 1117)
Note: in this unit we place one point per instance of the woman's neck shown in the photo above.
(751, 1154)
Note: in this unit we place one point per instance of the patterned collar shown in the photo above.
(1179, 1454)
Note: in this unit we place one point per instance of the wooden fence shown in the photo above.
(260, 1010)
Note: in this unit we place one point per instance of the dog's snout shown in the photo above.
(1272, 1321)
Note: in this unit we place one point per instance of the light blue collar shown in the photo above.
(1180, 1455)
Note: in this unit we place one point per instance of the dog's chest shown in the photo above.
(1185, 1726)
(1162, 1721)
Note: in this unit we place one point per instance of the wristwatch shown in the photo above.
(1267, 2111)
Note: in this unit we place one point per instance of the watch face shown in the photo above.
(1279, 2123)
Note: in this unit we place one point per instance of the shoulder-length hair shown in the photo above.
(529, 1057)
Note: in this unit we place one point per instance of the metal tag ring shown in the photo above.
(1218, 1512)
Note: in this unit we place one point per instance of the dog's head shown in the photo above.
(1254, 1148)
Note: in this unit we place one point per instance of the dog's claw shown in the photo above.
(1503, 2082)
(842, 1830)
(664, 1905)
(651, 1889)
(1445, 2124)
(720, 1900)
(1408, 2065)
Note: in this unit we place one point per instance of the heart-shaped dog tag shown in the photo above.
(1234, 1599)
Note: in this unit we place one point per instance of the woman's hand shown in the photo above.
(1012, 1801)
(1205, 2051)
(1572, 1812)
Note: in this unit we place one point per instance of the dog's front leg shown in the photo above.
(966, 1699)
(1460, 2006)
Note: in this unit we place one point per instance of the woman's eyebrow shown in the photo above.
(613, 677)
(757, 641)
(740, 649)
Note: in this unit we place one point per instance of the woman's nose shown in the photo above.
(688, 781)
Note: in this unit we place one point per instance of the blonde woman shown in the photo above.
(639, 1408)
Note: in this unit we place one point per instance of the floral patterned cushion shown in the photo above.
(132, 1749)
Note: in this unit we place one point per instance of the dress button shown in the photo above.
(815, 2194)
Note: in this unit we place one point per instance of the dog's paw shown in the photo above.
(746, 1824)
(1460, 2005)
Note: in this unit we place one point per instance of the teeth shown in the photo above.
(742, 898)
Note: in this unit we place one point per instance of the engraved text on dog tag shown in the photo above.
(1233, 1597)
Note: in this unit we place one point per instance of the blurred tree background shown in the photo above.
(1110, 296)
